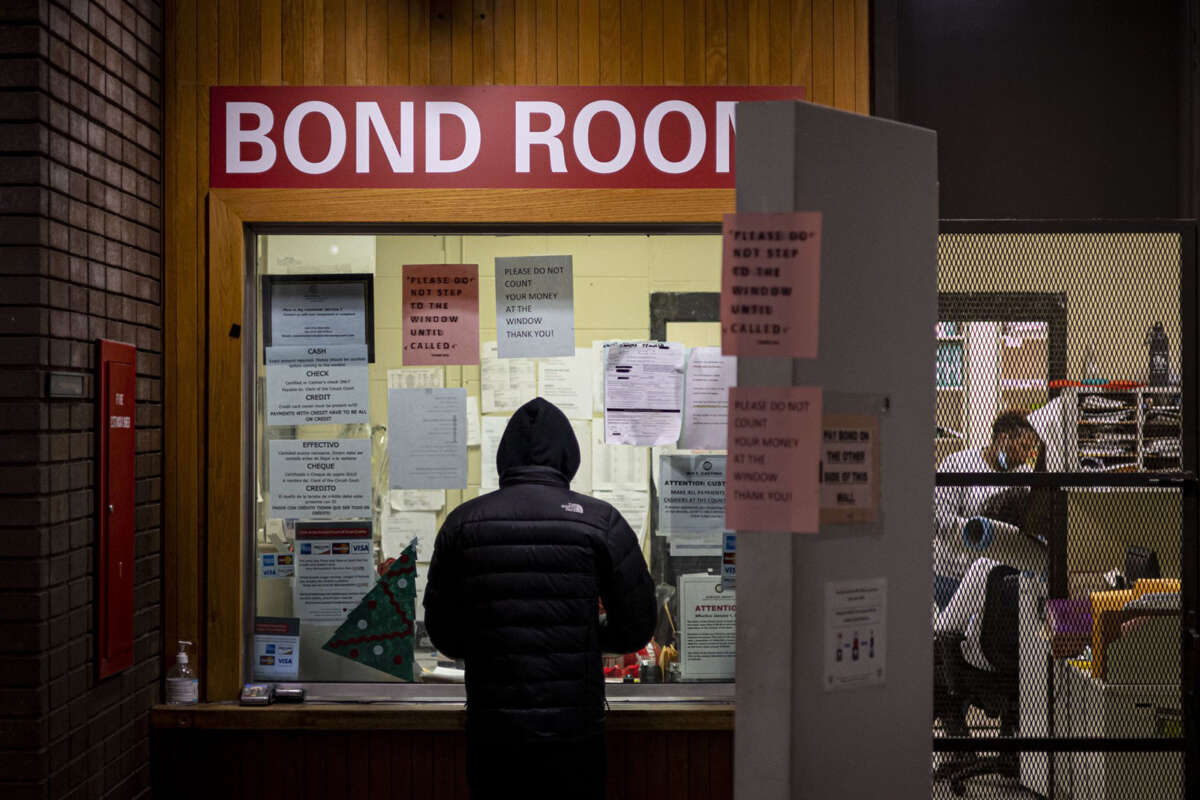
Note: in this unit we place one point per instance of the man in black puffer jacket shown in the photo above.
(512, 590)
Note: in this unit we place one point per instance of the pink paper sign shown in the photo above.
(441, 314)
(771, 284)
(772, 481)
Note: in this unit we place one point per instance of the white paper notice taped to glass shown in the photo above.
(401, 527)
(706, 398)
(318, 313)
(317, 385)
(616, 467)
(505, 384)
(491, 431)
(707, 629)
(855, 633)
(416, 378)
(335, 567)
(582, 482)
(535, 306)
(632, 504)
(320, 478)
(417, 499)
(427, 438)
(473, 432)
(643, 392)
(699, 545)
(276, 648)
(567, 383)
(276, 565)
(691, 496)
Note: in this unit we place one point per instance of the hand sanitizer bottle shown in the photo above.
(182, 686)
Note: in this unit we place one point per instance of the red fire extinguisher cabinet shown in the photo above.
(115, 516)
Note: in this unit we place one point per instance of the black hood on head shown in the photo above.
(539, 435)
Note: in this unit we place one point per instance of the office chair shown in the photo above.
(996, 690)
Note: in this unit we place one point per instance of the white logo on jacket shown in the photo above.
(574, 508)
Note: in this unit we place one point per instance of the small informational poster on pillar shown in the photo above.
(276, 648)
(707, 381)
(535, 306)
(707, 629)
(772, 481)
(855, 633)
(441, 314)
(849, 469)
(318, 310)
(320, 478)
(427, 438)
(335, 567)
(317, 385)
(643, 393)
(691, 495)
(770, 284)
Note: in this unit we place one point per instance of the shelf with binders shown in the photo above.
(1123, 430)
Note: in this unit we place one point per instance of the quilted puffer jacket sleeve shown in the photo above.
(627, 591)
(445, 615)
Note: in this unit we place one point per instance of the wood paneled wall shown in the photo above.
(819, 44)
(250, 765)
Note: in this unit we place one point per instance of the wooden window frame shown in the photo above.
(229, 212)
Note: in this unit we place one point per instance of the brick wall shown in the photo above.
(80, 246)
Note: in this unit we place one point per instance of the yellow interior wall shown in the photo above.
(1117, 286)
(1101, 524)
(614, 277)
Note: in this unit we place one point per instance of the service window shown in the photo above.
(378, 408)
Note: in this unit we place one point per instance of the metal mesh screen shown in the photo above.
(1092, 775)
(1059, 514)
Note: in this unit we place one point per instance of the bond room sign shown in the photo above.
(493, 137)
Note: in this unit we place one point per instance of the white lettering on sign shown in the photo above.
(627, 138)
(725, 131)
(548, 138)
(433, 137)
(120, 422)
(236, 136)
(367, 118)
(653, 144)
(337, 137)
(119, 399)
(535, 136)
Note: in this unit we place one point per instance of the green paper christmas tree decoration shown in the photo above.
(379, 631)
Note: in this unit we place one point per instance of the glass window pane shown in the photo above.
(614, 276)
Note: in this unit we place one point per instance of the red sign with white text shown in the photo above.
(615, 137)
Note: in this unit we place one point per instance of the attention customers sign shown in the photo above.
(478, 137)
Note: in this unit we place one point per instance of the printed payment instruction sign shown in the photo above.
(770, 284)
